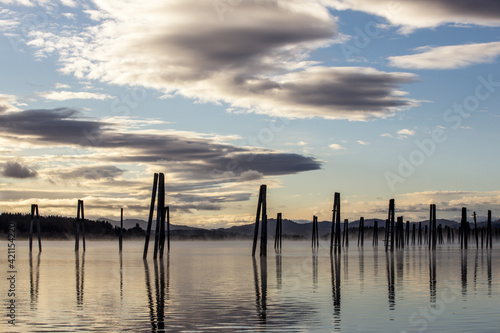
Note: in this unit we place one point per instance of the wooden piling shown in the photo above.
(261, 211)
(475, 231)
(80, 223)
(335, 234)
(121, 230)
(489, 237)
(346, 233)
(167, 212)
(361, 231)
(160, 221)
(464, 229)
(150, 218)
(35, 217)
(278, 234)
(413, 234)
(315, 234)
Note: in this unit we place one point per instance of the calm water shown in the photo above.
(216, 286)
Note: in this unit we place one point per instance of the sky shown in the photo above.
(372, 99)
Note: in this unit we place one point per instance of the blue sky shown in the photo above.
(373, 99)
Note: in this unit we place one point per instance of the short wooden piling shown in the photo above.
(345, 233)
(475, 231)
(391, 220)
(413, 234)
(375, 234)
(361, 231)
(315, 235)
(35, 216)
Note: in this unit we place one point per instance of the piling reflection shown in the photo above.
(389, 256)
(34, 280)
(315, 270)
(279, 271)
(432, 277)
(361, 268)
(80, 274)
(261, 291)
(463, 266)
(335, 260)
(158, 293)
(489, 270)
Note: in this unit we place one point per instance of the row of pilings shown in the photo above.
(398, 234)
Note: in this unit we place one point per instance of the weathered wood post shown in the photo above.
(315, 235)
(80, 223)
(278, 234)
(463, 233)
(413, 233)
(35, 216)
(432, 227)
(489, 237)
(407, 232)
(476, 231)
(160, 207)
(346, 232)
(121, 230)
(335, 233)
(391, 219)
(261, 211)
(361, 231)
(167, 211)
(151, 211)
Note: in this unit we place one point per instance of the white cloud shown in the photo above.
(255, 58)
(336, 147)
(448, 57)
(66, 95)
(411, 14)
(363, 143)
(406, 132)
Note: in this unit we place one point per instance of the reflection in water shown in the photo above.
(80, 273)
(335, 267)
(278, 271)
(389, 256)
(162, 287)
(261, 292)
(464, 271)
(489, 270)
(315, 270)
(361, 268)
(121, 276)
(375, 263)
(432, 277)
(34, 280)
(400, 268)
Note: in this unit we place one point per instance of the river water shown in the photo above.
(216, 286)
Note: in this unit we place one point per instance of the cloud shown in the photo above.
(66, 95)
(405, 132)
(363, 143)
(16, 170)
(195, 156)
(336, 147)
(255, 58)
(448, 57)
(95, 172)
(250, 175)
(411, 15)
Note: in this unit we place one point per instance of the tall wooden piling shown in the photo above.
(476, 234)
(35, 216)
(390, 233)
(464, 229)
(80, 223)
(278, 234)
(407, 232)
(335, 234)
(489, 237)
(151, 212)
(121, 230)
(432, 227)
(345, 233)
(160, 221)
(261, 211)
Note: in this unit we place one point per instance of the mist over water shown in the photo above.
(217, 286)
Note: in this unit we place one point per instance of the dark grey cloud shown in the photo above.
(198, 157)
(91, 172)
(16, 170)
